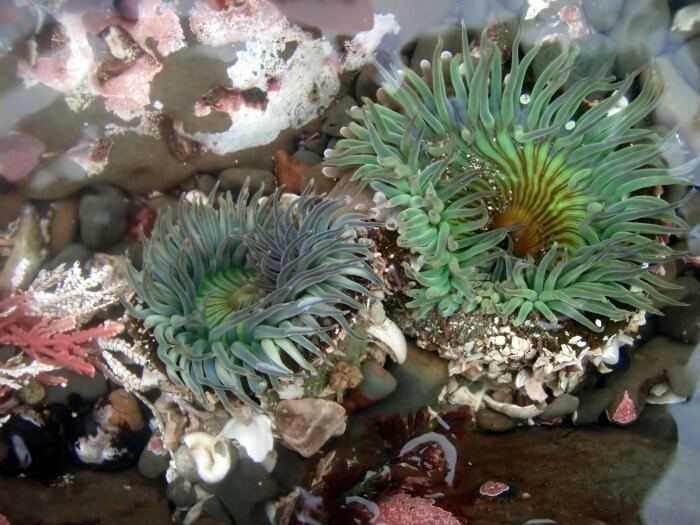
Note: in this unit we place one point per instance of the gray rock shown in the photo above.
(679, 103)
(602, 14)
(640, 33)
(562, 406)
(451, 37)
(592, 404)
(305, 425)
(367, 82)
(89, 388)
(63, 225)
(153, 464)
(317, 145)
(181, 493)
(686, 59)
(377, 382)
(74, 252)
(338, 116)
(103, 220)
(216, 509)
(492, 421)
(244, 491)
(420, 379)
(233, 179)
(205, 182)
(307, 157)
(682, 323)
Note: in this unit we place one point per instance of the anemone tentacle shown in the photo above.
(243, 294)
(503, 181)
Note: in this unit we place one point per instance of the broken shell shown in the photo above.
(254, 436)
(390, 338)
(211, 456)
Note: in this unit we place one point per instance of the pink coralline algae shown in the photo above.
(54, 342)
(402, 509)
(19, 154)
(626, 412)
(493, 489)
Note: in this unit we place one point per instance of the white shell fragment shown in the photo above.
(390, 338)
(254, 436)
(211, 456)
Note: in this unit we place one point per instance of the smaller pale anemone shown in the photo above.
(245, 294)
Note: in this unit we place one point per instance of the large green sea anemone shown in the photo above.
(243, 295)
(517, 196)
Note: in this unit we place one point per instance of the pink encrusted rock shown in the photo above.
(402, 509)
(19, 154)
(626, 412)
(221, 23)
(493, 489)
(158, 21)
(127, 93)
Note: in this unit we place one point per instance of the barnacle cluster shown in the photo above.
(517, 198)
(244, 295)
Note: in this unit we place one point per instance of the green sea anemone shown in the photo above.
(518, 196)
(246, 293)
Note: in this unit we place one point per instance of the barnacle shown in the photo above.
(241, 295)
(516, 196)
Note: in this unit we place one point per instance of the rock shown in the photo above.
(88, 388)
(367, 82)
(640, 33)
(74, 252)
(377, 383)
(602, 14)
(103, 220)
(561, 406)
(126, 412)
(338, 116)
(420, 380)
(63, 225)
(425, 46)
(651, 364)
(306, 424)
(679, 103)
(686, 23)
(686, 59)
(233, 179)
(154, 459)
(316, 144)
(492, 421)
(244, 491)
(216, 509)
(181, 493)
(205, 182)
(682, 323)
(32, 393)
(591, 405)
(691, 211)
(10, 205)
(309, 158)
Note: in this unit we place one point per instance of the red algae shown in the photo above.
(626, 412)
(402, 509)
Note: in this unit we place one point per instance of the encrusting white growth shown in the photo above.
(211, 456)
(313, 67)
(390, 338)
